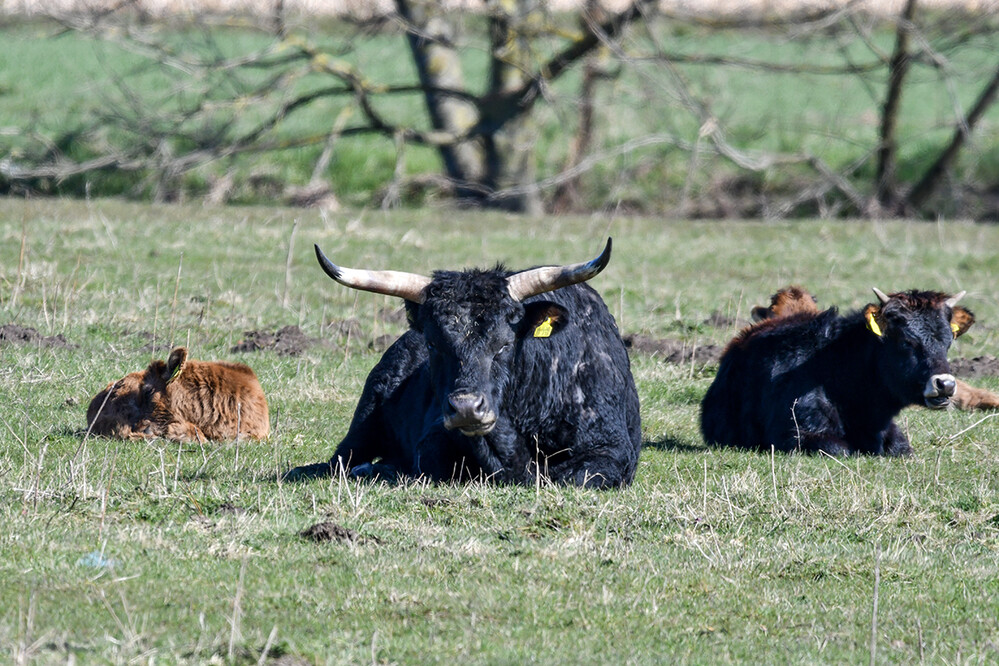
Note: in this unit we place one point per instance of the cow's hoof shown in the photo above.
(375, 471)
(305, 472)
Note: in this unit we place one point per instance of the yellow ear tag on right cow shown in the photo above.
(955, 327)
(873, 325)
(544, 329)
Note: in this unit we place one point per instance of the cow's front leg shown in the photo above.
(375, 472)
(894, 442)
(594, 471)
(504, 455)
(314, 471)
(184, 431)
(813, 442)
(811, 425)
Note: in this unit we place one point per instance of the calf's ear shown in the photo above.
(175, 364)
(961, 320)
(760, 313)
(542, 319)
(875, 322)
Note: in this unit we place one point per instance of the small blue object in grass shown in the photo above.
(96, 560)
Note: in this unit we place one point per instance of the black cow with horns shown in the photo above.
(818, 381)
(494, 381)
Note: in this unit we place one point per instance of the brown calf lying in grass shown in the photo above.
(182, 400)
(793, 300)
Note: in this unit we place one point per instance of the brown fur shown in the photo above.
(790, 303)
(795, 300)
(967, 397)
(786, 302)
(182, 400)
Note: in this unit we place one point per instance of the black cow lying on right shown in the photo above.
(822, 382)
(793, 300)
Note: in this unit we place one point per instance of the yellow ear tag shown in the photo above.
(955, 327)
(176, 372)
(873, 325)
(544, 329)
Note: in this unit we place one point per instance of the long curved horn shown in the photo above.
(881, 295)
(391, 283)
(548, 278)
(952, 301)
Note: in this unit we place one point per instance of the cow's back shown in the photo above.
(222, 399)
(577, 379)
(757, 374)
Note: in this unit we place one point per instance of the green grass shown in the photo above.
(712, 556)
(833, 117)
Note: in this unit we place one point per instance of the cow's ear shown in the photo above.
(413, 315)
(961, 320)
(875, 322)
(175, 364)
(158, 369)
(542, 319)
(760, 313)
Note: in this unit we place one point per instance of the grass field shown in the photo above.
(140, 552)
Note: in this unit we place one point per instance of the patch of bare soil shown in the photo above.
(979, 366)
(228, 508)
(291, 341)
(673, 351)
(345, 330)
(327, 531)
(721, 320)
(152, 345)
(25, 335)
(287, 341)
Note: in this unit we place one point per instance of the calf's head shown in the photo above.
(137, 405)
(786, 302)
(916, 329)
(473, 322)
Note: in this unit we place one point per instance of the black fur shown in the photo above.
(565, 406)
(822, 382)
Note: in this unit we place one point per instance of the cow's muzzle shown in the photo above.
(469, 413)
(939, 390)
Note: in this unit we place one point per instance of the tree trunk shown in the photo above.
(431, 41)
(934, 175)
(491, 161)
(898, 67)
(567, 197)
(510, 147)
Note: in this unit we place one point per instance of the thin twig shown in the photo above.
(237, 611)
(20, 264)
(287, 264)
(267, 646)
(874, 610)
(173, 306)
(972, 426)
(773, 469)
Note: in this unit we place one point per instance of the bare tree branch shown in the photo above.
(935, 174)
(508, 106)
(884, 179)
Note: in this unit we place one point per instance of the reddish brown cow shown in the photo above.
(182, 400)
(793, 300)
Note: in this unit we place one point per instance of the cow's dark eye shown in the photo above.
(431, 346)
(502, 349)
